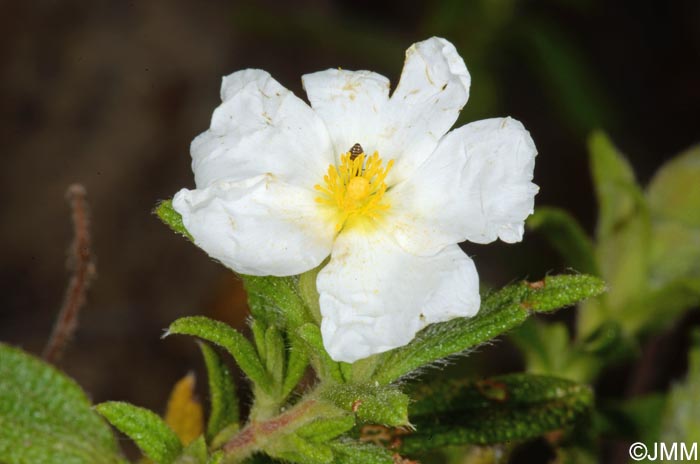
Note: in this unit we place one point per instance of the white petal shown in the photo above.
(476, 186)
(374, 296)
(260, 128)
(433, 88)
(349, 103)
(258, 226)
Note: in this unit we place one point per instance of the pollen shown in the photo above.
(355, 189)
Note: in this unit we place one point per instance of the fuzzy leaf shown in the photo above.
(324, 366)
(275, 354)
(295, 449)
(172, 218)
(325, 429)
(499, 313)
(46, 418)
(296, 365)
(567, 236)
(222, 393)
(195, 453)
(150, 433)
(276, 300)
(374, 404)
(496, 410)
(184, 412)
(352, 452)
(223, 335)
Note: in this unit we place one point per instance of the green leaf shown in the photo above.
(150, 433)
(324, 429)
(195, 453)
(623, 233)
(499, 313)
(223, 335)
(309, 292)
(373, 404)
(295, 449)
(549, 351)
(46, 418)
(497, 410)
(681, 421)
(352, 452)
(276, 300)
(275, 355)
(567, 237)
(172, 218)
(674, 192)
(560, 291)
(321, 361)
(674, 199)
(297, 363)
(222, 393)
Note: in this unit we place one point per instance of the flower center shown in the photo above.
(356, 188)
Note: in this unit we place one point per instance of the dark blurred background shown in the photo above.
(110, 94)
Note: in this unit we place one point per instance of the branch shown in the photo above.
(83, 271)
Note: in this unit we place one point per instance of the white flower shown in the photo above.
(280, 188)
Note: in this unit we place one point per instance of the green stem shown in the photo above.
(259, 433)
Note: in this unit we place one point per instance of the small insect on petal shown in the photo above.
(356, 151)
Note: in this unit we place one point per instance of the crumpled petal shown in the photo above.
(374, 296)
(260, 128)
(433, 88)
(476, 186)
(349, 103)
(258, 226)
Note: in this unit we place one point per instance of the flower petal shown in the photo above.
(433, 88)
(349, 103)
(476, 186)
(258, 226)
(261, 127)
(374, 296)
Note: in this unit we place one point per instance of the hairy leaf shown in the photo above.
(46, 418)
(150, 433)
(172, 218)
(325, 429)
(223, 335)
(499, 313)
(276, 300)
(297, 362)
(275, 355)
(195, 453)
(222, 393)
(352, 452)
(374, 404)
(322, 363)
(496, 410)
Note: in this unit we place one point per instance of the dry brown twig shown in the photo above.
(83, 271)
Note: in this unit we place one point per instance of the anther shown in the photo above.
(356, 151)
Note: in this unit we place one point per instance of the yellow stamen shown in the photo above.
(355, 188)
